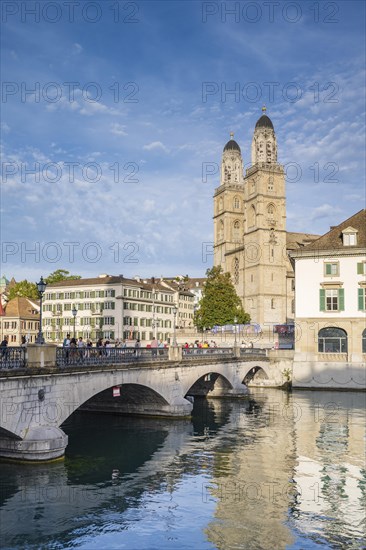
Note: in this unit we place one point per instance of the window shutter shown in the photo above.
(72, 295)
(322, 299)
(328, 269)
(341, 299)
(360, 269)
(113, 305)
(92, 294)
(361, 300)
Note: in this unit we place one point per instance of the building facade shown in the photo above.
(330, 345)
(19, 318)
(108, 307)
(250, 238)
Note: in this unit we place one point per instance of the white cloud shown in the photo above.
(156, 145)
(118, 129)
(77, 48)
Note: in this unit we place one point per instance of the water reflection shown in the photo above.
(271, 471)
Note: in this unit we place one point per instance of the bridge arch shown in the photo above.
(211, 384)
(255, 374)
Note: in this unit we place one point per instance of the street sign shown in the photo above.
(116, 391)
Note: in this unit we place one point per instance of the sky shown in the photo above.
(115, 114)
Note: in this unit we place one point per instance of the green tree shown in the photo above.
(220, 304)
(24, 288)
(60, 275)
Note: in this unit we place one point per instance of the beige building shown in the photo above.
(330, 347)
(19, 317)
(250, 237)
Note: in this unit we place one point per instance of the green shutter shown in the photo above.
(328, 269)
(72, 295)
(341, 299)
(92, 294)
(360, 269)
(113, 305)
(322, 299)
(361, 300)
(81, 307)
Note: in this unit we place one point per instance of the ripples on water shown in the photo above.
(271, 471)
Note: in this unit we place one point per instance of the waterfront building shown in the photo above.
(250, 237)
(19, 317)
(108, 307)
(184, 300)
(330, 345)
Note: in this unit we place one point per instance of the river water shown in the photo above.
(275, 470)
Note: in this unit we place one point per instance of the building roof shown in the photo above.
(22, 308)
(264, 122)
(232, 145)
(299, 240)
(333, 240)
(144, 283)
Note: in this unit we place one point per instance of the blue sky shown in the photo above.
(128, 108)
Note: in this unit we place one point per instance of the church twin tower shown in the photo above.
(250, 227)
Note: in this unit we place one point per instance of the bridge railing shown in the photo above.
(68, 357)
(192, 353)
(253, 351)
(12, 358)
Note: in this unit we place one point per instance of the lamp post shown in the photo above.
(74, 312)
(41, 287)
(175, 311)
(235, 323)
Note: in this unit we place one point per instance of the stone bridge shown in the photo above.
(37, 397)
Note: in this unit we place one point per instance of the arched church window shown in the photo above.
(236, 271)
(221, 205)
(236, 203)
(332, 340)
(221, 231)
(271, 209)
(236, 230)
(252, 216)
(270, 183)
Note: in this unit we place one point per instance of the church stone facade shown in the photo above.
(250, 237)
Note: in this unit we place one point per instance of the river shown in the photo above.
(272, 471)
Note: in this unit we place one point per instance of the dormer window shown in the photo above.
(349, 236)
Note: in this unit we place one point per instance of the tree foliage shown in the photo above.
(30, 290)
(220, 304)
(60, 275)
(25, 289)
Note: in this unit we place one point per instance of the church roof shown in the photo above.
(264, 122)
(232, 146)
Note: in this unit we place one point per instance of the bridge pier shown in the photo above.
(41, 443)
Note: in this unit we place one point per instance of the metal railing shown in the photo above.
(253, 351)
(12, 358)
(69, 357)
(199, 352)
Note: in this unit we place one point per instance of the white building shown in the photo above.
(108, 307)
(330, 306)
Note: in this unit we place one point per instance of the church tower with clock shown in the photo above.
(250, 227)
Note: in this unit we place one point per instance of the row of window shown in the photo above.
(147, 308)
(333, 299)
(86, 306)
(335, 340)
(332, 269)
(80, 294)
